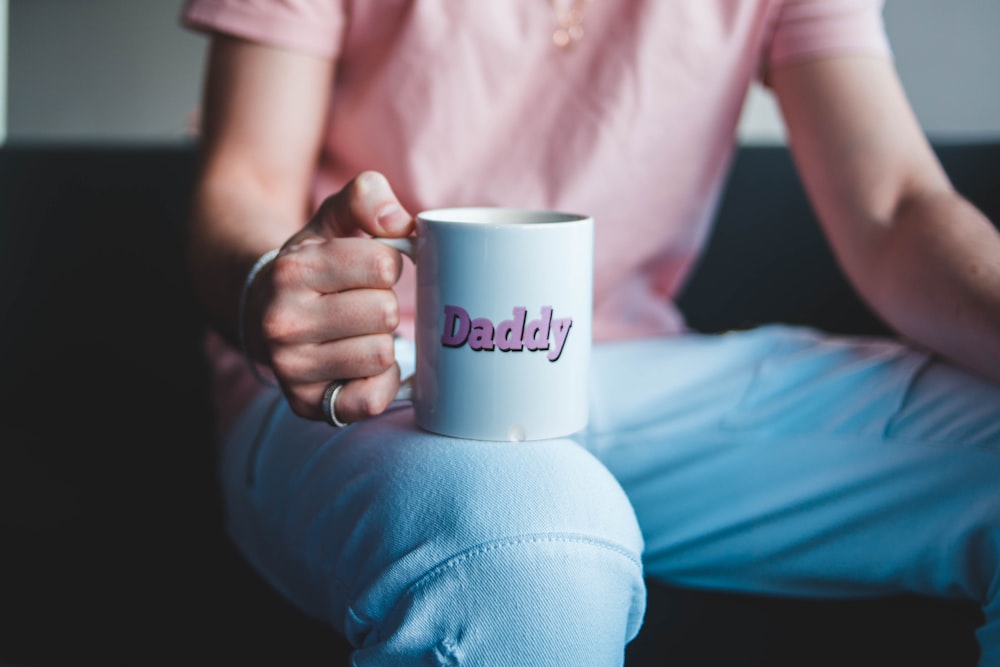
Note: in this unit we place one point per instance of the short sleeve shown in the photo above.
(312, 26)
(810, 28)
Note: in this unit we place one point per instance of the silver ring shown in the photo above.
(329, 403)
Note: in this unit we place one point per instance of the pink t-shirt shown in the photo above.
(470, 103)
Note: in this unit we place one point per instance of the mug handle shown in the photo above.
(407, 246)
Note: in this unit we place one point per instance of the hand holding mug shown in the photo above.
(325, 306)
(503, 315)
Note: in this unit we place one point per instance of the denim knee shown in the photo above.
(415, 524)
(555, 599)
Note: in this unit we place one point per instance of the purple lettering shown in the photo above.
(481, 337)
(510, 333)
(456, 326)
(544, 333)
(560, 327)
(536, 334)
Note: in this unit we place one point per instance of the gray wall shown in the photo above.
(948, 56)
(124, 70)
(100, 70)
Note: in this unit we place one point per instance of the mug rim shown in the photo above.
(529, 217)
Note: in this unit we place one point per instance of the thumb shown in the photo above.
(366, 204)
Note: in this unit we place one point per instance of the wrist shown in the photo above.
(241, 324)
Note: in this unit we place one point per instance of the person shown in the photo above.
(779, 460)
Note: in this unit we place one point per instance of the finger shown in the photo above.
(357, 312)
(366, 204)
(367, 397)
(337, 265)
(359, 399)
(347, 359)
(310, 318)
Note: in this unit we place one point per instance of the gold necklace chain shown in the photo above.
(570, 28)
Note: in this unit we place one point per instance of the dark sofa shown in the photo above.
(111, 547)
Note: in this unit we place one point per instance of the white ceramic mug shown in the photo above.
(503, 322)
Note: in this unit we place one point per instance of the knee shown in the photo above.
(531, 600)
(428, 508)
(461, 494)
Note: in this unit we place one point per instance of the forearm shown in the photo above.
(923, 257)
(262, 126)
(938, 279)
(231, 226)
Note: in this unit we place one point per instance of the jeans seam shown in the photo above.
(732, 414)
(495, 545)
(911, 385)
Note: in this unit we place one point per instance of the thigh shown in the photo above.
(347, 522)
(785, 461)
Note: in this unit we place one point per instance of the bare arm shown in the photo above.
(262, 116)
(922, 256)
(324, 309)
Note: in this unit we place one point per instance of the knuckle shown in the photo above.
(385, 268)
(288, 364)
(275, 325)
(384, 352)
(283, 269)
(367, 182)
(390, 311)
(279, 363)
(369, 406)
(291, 268)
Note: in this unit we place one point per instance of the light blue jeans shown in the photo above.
(778, 460)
